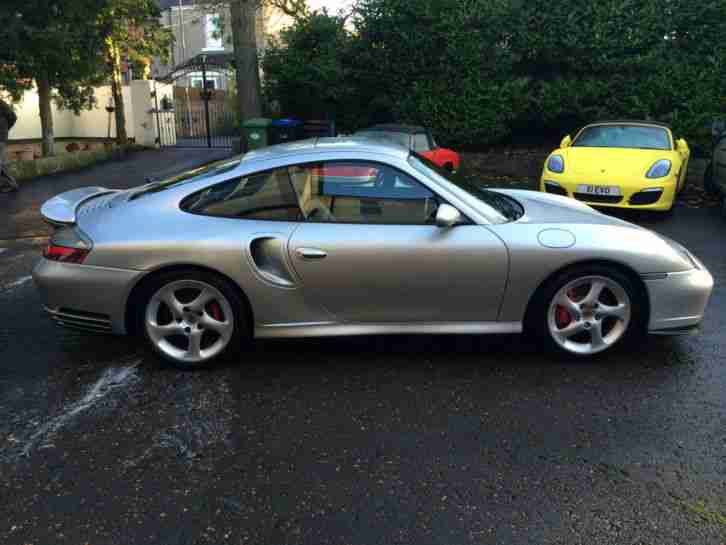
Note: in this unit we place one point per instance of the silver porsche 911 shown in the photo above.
(350, 236)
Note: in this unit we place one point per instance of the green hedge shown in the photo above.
(481, 72)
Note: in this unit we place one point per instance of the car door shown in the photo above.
(719, 165)
(369, 251)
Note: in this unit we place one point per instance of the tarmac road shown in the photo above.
(369, 440)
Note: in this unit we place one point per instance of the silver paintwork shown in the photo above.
(306, 279)
(590, 315)
(61, 209)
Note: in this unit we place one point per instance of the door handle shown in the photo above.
(311, 253)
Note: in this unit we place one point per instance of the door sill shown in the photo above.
(335, 329)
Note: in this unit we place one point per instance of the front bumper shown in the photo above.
(633, 192)
(678, 300)
(85, 297)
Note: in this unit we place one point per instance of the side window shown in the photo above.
(361, 192)
(264, 196)
(421, 142)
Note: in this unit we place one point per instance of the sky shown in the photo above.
(333, 5)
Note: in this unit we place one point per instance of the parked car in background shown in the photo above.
(286, 242)
(418, 139)
(624, 164)
(714, 179)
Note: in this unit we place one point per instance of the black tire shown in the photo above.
(242, 321)
(708, 184)
(536, 321)
(449, 167)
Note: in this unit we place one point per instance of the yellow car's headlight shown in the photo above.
(556, 164)
(659, 169)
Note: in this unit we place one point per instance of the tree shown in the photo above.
(55, 43)
(132, 30)
(309, 72)
(243, 24)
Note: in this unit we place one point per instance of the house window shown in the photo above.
(214, 80)
(214, 40)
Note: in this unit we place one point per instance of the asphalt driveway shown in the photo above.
(364, 440)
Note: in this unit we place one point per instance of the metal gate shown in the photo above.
(196, 117)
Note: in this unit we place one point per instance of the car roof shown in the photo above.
(356, 144)
(394, 127)
(631, 122)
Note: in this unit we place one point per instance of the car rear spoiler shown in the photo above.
(61, 209)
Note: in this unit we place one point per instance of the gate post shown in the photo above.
(142, 109)
(205, 97)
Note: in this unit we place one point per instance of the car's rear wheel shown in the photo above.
(449, 167)
(192, 319)
(587, 310)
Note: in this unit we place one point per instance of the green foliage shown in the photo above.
(134, 26)
(481, 72)
(56, 40)
(308, 70)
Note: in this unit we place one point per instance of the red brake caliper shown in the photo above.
(562, 315)
(216, 311)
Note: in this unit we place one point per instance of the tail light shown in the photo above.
(68, 245)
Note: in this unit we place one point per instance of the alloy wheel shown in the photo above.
(189, 321)
(589, 314)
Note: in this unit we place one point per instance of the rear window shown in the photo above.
(201, 173)
(264, 196)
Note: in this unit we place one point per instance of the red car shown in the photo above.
(418, 139)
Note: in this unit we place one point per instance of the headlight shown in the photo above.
(556, 164)
(659, 169)
(681, 250)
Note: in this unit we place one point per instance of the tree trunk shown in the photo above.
(244, 39)
(46, 116)
(114, 59)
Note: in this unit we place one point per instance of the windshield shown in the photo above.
(400, 138)
(623, 136)
(508, 208)
(189, 176)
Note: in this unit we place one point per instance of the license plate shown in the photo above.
(598, 189)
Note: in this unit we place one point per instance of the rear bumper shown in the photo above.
(85, 297)
(678, 301)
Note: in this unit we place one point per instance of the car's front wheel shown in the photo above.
(587, 310)
(191, 318)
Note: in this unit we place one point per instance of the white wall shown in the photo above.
(89, 124)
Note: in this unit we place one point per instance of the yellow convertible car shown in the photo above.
(624, 164)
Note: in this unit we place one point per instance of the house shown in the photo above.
(197, 31)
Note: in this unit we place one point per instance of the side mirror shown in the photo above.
(566, 141)
(448, 216)
(682, 146)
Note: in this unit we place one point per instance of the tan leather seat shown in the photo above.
(314, 206)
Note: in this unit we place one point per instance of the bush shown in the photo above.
(482, 72)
